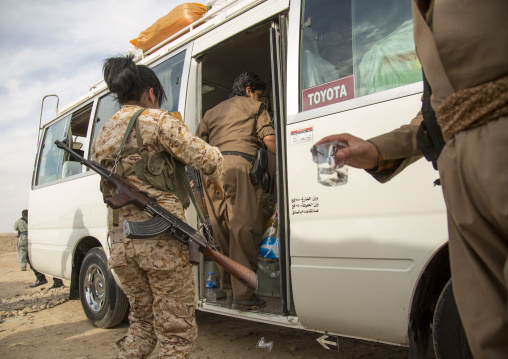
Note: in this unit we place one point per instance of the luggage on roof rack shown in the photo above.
(168, 25)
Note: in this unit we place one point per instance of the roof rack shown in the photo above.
(216, 16)
(219, 13)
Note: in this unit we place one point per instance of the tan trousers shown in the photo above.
(158, 279)
(22, 250)
(237, 222)
(474, 174)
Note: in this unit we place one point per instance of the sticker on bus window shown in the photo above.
(328, 93)
(301, 135)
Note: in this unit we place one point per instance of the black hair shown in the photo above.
(129, 81)
(244, 80)
(24, 213)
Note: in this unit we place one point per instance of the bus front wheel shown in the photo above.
(104, 303)
(450, 340)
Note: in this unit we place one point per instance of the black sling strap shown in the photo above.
(429, 136)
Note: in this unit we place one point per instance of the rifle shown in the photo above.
(198, 189)
(162, 220)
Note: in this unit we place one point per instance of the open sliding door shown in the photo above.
(278, 46)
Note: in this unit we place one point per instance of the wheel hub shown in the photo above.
(94, 288)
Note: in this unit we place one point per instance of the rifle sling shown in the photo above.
(133, 120)
(185, 180)
(129, 129)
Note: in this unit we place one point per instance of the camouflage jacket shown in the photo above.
(161, 131)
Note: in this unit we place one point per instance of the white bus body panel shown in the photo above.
(355, 262)
(75, 210)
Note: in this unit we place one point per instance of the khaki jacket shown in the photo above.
(161, 131)
(237, 124)
(466, 47)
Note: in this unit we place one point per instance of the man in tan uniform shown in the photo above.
(238, 126)
(154, 273)
(463, 48)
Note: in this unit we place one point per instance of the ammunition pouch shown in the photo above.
(160, 170)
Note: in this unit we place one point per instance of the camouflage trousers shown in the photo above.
(158, 279)
(22, 250)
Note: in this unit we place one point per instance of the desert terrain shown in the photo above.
(39, 323)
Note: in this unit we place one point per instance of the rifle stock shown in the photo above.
(247, 277)
(127, 193)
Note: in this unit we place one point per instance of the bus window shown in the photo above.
(355, 48)
(106, 108)
(51, 160)
(55, 163)
(79, 127)
(77, 136)
(170, 75)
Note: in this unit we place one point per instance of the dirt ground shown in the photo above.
(41, 323)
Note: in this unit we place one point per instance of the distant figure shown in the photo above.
(21, 226)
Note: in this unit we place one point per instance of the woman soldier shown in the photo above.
(154, 273)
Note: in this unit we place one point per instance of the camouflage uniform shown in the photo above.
(22, 243)
(155, 273)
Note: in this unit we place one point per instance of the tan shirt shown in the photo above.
(237, 124)
(21, 225)
(161, 131)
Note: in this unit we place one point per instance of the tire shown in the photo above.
(450, 340)
(104, 303)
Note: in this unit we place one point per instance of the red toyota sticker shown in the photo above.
(328, 93)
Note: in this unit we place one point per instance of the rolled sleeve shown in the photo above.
(399, 143)
(399, 148)
(202, 131)
(264, 125)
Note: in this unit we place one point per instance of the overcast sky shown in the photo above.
(54, 47)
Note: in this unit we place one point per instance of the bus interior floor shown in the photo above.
(273, 305)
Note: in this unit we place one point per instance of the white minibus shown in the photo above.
(360, 260)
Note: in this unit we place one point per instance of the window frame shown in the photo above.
(293, 95)
(86, 143)
(64, 119)
(95, 113)
(185, 72)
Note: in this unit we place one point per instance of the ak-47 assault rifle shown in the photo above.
(162, 220)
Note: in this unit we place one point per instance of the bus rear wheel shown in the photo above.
(449, 338)
(104, 303)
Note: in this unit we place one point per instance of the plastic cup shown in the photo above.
(330, 171)
(264, 345)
